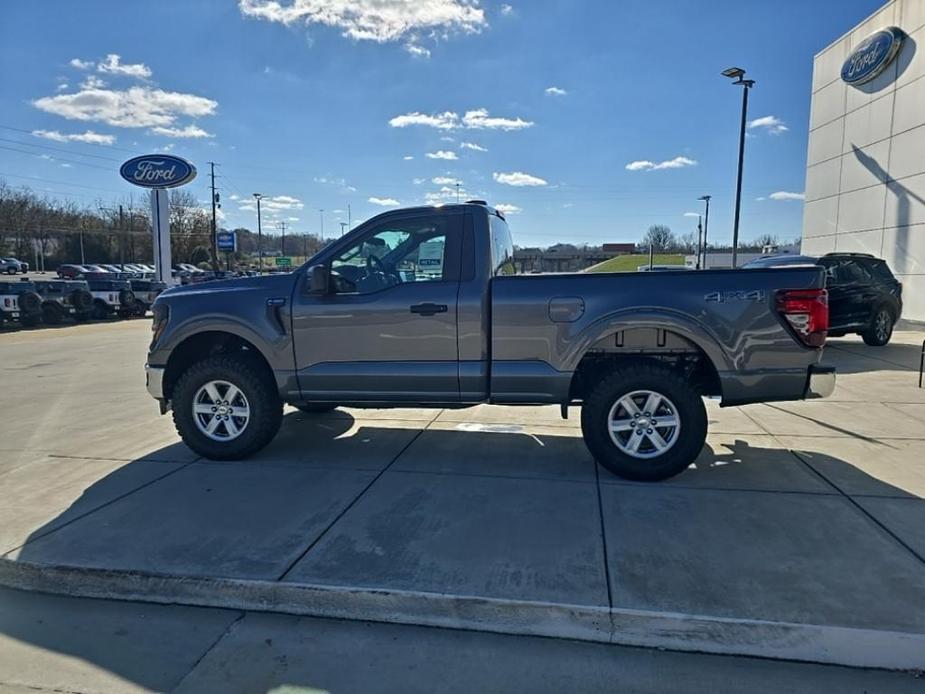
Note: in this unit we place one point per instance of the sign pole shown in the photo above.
(160, 229)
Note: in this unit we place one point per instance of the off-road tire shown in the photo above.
(691, 413)
(266, 408)
(316, 407)
(52, 314)
(878, 334)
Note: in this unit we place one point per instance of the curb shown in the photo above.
(834, 645)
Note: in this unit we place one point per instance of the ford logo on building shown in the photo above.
(872, 55)
(158, 171)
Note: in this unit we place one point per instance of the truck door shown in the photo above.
(386, 330)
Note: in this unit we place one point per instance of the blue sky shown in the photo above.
(587, 120)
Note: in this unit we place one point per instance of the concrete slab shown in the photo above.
(507, 450)
(44, 494)
(914, 410)
(730, 420)
(267, 653)
(78, 645)
(748, 462)
(336, 442)
(403, 414)
(890, 467)
(803, 558)
(834, 419)
(212, 520)
(905, 518)
(527, 539)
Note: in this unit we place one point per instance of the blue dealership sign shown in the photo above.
(872, 55)
(158, 171)
(226, 241)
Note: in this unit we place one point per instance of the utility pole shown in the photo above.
(121, 236)
(457, 192)
(706, 224)
(282, 243)
(214, 226)
(258, 196)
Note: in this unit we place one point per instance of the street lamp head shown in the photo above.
(258, 195)
(733, 73)
(705, 197)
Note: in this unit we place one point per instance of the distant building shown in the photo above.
(619, 248)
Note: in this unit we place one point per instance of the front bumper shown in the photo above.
(154, 381)
(820, 383)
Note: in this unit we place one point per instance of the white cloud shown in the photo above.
(442, 154)
(418, 181)
(272, 205)
(504, 208)
(384, 202)
(555, 91)
(444, 181)
(89, 136)
(784, 195)
(188, 131)
(338, 181)
(82, 64)
(446, 194)
(136, 107)
(773, 124)
(234, 196)
(417, 51)
(113, 65)
(443, 121)
(480, 120)
(506, 10)
(518, 178)
(646, 165)
(91, 82)
(407, 157)
(64, 86)
(476, 119)
(471, 145)
(373, 20)
(691, 214)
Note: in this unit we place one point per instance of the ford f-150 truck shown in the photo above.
(422, 307)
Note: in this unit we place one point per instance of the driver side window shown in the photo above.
(413, 250)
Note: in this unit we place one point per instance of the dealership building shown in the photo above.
(865, 175)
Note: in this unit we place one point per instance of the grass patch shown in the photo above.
(630, 263)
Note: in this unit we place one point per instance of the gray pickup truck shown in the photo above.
(422, 307)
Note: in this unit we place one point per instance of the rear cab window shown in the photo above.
(502, 247)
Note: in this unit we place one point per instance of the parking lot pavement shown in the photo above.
(798, 521)
(51, 643)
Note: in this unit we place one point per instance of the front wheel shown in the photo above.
(644, 423)
(225, 408)
(880, 330)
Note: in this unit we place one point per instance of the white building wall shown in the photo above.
(865, 175)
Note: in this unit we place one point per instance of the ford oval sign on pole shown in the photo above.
(872, 55)
(158, 172)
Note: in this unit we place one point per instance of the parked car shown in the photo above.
(69, 271)
(111, 296)
(63, 299)
(146, 291)
(19, 301)
(864, 296)
(367, 323)
(12, 266)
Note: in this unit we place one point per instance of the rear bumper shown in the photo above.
(820, 382)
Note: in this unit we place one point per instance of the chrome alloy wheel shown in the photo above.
(221, 411)
(644, 424)
(883, 325)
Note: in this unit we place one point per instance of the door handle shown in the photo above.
(428, 309)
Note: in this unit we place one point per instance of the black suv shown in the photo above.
(864, 296)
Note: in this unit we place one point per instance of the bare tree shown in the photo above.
(660, 237)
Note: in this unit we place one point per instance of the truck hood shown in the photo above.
(281, 283)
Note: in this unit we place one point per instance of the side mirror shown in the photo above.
(319, 279)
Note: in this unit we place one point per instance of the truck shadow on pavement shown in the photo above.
(259, 518)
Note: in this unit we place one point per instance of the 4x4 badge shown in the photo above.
(742, 295)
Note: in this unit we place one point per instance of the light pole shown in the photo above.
(706, 224)
(321, 214)
(738, 74)
(343, 225)
(258, 196)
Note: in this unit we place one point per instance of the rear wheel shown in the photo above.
(52, 314)
(881, 328)
(644, 422)
(225, 408)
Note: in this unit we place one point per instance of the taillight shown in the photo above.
(807, 312)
